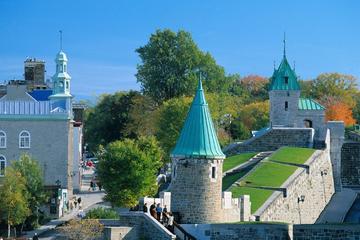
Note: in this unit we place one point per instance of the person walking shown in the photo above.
(165, 209)
(158, 212)
(152, 210)
(75, 202)
(145, 208)
(35, 237)
(170, 222)
(100, 186)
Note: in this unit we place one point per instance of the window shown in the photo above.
(286, 106)
(67, 84)
(64, 68)
(286, 79)
(213, 172)
(2, 165)
(24, 139)
(288, 94)
(2, 139)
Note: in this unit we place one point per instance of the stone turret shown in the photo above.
(284, 93)
(197, 160)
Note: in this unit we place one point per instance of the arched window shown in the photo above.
(2, 165)
(2, 139)
(308, 123)
(24, 139)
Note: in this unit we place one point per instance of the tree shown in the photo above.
(238, 130)
(168, 63)
(13, 199)
(335, 85)
(252, 88)
(128, 170)
(339, 111)
(108, 120)
(87, 229)
(31, 171)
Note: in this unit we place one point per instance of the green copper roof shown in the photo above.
(278, 81)
(198, 137)
(309, 104)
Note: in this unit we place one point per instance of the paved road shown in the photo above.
(89, 200)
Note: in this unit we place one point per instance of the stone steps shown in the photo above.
(254, 160)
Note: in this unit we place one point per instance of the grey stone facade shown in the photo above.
(51, 144)
(315, 184)
(279, 115)
(337, 135)
(273, 139)
(194, 193)
(134, 226)
(350, 164)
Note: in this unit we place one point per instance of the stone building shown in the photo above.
(287, 108)
(40, 123)
(197, 160)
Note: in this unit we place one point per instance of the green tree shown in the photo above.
(128, 170)
(168, 63)
(238, 130)
(13, 199)
(251, 88)
(31, 171)
(108, 120)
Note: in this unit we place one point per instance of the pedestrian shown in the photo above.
(79, 200)
(81, 214)
(153, 210)
(93, 186)
(145, 208)
(170, 222)
(158, 212)
(35, 237)
(75, 203)
(100, 186)
(165, 209)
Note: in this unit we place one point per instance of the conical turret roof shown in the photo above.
(198, 138)
(279, 81)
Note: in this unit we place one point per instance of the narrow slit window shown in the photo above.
(286, 80)
(286, 106)
(213, 172)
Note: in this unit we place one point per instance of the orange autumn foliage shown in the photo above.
(340, 112)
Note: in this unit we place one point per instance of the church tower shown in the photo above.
(197, 160)
(61, 97)
(284, 93)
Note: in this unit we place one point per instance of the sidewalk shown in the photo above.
(338, 207)
(88, 199)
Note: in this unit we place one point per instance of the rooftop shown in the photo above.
(198, 137)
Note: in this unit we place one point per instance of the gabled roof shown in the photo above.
(309, 104)
(198, 137)
(41, 95)
(278, 78)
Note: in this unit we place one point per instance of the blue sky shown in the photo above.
(243, 36)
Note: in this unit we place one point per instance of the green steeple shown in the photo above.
(198, 137)
(284, 78)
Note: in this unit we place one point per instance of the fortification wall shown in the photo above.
(275, 138)
(134, 226)
(273, 231)
(315, 184)
(337, 134)
(350, 164)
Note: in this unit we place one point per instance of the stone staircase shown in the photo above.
(252, 161)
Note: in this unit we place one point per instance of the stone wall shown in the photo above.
(315, 184)
(134, 226)
(194, 193)
(337, 134)
(326, 232)
(350, 164)
(278, 114)
(317, 117)
(273, 231)
(275, 138)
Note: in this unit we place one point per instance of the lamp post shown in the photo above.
(323, 173)
(300, 199)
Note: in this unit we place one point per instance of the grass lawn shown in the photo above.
(235, 160)
(257, 196)
(292, 155)
(228, 180)
(270, 174)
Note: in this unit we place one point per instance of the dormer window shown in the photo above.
(286, 79)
